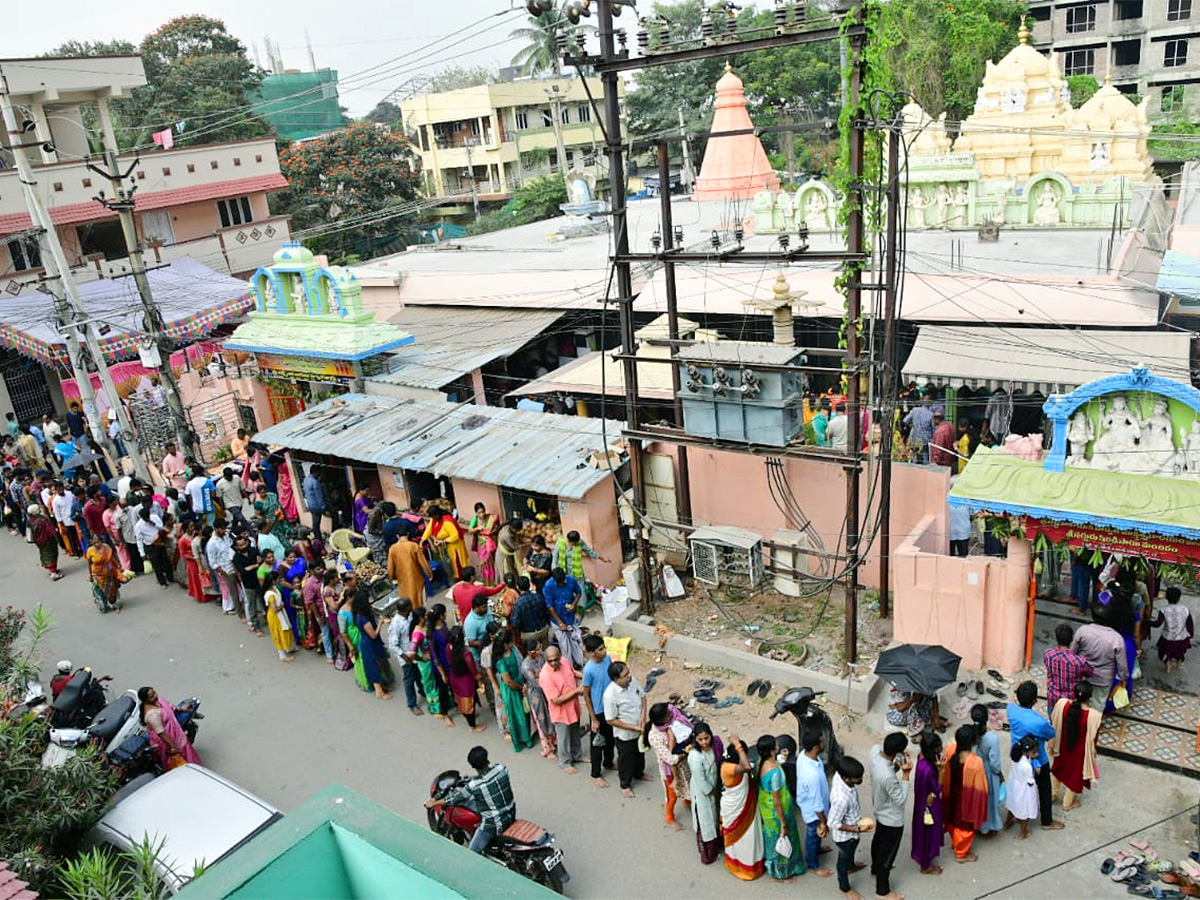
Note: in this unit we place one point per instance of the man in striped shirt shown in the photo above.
(1064, 667)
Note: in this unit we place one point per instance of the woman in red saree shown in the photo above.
(964, 793)
(170, 745)
(1072, 750)
(187, 552)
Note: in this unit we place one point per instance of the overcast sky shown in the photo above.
(387, 37)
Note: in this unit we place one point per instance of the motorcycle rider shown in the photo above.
(489, 793)
(59, 681)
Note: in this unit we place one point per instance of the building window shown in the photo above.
(24, 253)
(258, 157)
(166, 172)
(1175, 53)
(585, 113)
(522, 120)
(566, 115)
(237, 161)
(1079, 62)
(191, 169)
(234, 211)
(547, 118)
(570, 157)
(1178, 10)
(589, 158)
(1081, 18)
(1172, 98)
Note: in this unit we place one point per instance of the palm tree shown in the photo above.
(540, 53)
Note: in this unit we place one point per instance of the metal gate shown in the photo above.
(25, 381)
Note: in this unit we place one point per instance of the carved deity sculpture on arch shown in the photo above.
(1047, 211)
(918, 203)
(1080, 433)
(1191, 448)
(1158, 444)
(299, 298)
(943, 205)
(268, 294)
(1118, 444)
(816, 211)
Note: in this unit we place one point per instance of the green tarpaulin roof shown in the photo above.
(339, 844)
(998, 482)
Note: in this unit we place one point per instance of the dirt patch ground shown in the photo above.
(808, 629)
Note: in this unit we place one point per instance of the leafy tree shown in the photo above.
(384, 113)
(537, 199)
(43, 812)
(458, 77)
(938, 49)
(1182, 123)
(1082, 88)
(540, 52)
(200, 74)
(115, 47)
(335, 182)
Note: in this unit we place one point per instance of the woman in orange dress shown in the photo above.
(187, 553)
(964, 793)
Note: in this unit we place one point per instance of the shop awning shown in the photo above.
(192, 299)
(527, 451)
(1048, 360)
(1000, 483)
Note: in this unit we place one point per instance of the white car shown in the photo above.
(198, 816)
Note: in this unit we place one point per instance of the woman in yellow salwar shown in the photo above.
(447, 537)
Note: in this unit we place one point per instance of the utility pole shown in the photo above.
(623, 269)
(68, 304)
(855, 243)
(668, 232)
(122, 203)
(887, 391)
(688, 175)
(556, 112)
(469, 143)
(789, 118)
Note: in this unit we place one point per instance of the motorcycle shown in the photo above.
(525, 847)
(799, 702)
(80, 700)
(133, 756)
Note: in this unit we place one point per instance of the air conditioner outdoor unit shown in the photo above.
(727, 555)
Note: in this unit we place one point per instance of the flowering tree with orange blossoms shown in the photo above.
(349, 186)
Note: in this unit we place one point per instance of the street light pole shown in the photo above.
(470, 143)
(122, 203)
(68, 303)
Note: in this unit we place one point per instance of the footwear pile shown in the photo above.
(1144, 874)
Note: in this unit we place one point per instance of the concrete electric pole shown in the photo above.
(552, 93)
(68, 304)
(122, 204)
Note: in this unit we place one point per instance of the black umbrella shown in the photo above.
(84, 458)
(919, 668)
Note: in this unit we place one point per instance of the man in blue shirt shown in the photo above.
(562, 593)
(812, 796)
(596, 679)
(920, 422)
(314, 499)
(1022, 720)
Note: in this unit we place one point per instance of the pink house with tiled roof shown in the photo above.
(209, 202)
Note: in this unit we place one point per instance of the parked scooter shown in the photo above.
(80, 700)
(799, 702)
(133, 756)
(525, 847)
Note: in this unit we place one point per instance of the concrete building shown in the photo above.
(209, 202)
(1143, 46)
(495, 136)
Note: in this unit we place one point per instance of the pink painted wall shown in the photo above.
(387, 487)
(595, 518)
(190, 221)
(976, 606)
(730, 488)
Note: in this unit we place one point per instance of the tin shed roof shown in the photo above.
(514, 448)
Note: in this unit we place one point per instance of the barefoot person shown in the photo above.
(928, 823)
(1022, 799)
(846, 822)
(625, 711)
(964, 789)
(1072, 750)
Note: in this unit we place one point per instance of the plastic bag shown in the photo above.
(1002, 794)
(783, 846)
(1119, 697)
(614, 603)
(618, 648)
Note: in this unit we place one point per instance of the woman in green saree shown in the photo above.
(506, 662)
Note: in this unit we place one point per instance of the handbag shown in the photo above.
(783, 846)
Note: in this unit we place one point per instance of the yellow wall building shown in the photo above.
(497, 136)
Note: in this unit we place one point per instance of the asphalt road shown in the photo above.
(285, 731)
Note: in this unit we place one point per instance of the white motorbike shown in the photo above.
(113, 725)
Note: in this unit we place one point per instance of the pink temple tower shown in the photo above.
(736, 167)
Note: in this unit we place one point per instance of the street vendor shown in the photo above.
(913, 712)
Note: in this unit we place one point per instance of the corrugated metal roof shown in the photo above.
(451, 343)
(514, 448)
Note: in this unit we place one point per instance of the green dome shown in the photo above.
(293, 253)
